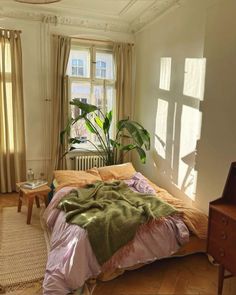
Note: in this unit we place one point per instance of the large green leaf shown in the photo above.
(120, 124)
(85, 107)
(109, 116)
(67, 130)
(138, 133)
(142, 154)
(128, 147)
(75, 140)
(99, 122)
(145, 135)
(106, 125)
(90, 127)
(78, 118)
(114, 143)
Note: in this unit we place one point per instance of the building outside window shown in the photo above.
(91, 80)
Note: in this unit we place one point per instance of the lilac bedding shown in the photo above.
(71, 260)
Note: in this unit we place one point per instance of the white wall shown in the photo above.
(37, 84)
(217, 147)
(195, 30)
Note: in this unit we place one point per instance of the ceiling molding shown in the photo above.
(127, 7)
(98, 22)
(155, 10)
(84, 22)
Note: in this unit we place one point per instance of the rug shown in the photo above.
(23, 250)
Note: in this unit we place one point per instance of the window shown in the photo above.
(77, 67)
(91, 80)
(100, 69)
(79, 63)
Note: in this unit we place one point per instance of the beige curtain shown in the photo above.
(123, 65)
(12, 131)
(61, 51)
(123, 56)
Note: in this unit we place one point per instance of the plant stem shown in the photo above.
(99, 136)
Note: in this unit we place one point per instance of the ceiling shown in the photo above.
(115, 15)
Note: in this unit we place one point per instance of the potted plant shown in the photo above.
(98, 123)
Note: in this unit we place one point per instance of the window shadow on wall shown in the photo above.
(178, 121)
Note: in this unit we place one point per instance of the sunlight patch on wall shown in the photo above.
(165, 73)
(173, 137)
(194, 77)
(161, 127)
(190, 133)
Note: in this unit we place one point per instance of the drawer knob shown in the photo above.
(224, 220)
(222, 253)
(223, 236)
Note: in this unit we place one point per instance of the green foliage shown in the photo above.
(111, 150)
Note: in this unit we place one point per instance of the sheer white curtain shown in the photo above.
(61, 52)
(12, 131)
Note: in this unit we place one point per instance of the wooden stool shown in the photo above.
(31, 195)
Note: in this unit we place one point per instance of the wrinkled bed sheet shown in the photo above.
(71, 260)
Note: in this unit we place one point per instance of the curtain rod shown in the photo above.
(95, 40)
(2, 29)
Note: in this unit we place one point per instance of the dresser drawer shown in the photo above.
(222, 220)
(224, 234)
(222, 225)
(222, 255)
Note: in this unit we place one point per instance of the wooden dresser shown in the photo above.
(221, 244)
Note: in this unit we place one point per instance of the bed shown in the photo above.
(73, 259)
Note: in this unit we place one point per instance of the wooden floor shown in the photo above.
(190, 275)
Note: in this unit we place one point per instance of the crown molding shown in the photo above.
(155, 10)
(99, 22)
(57, 19)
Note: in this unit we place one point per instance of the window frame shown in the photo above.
(93, 80)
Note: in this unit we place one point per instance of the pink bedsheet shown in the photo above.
(71, 260)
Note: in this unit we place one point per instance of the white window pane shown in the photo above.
(165, 73)
(104, 65)
(110, 99)
(79, 91)
(79, 63)
(110, 106)
(194, 77)
(98, 94)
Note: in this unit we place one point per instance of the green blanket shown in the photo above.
(111, 213)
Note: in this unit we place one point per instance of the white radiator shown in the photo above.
(85, 162)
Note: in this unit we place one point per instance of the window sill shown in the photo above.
(83, 148)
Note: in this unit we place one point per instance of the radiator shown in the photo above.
(87, 162)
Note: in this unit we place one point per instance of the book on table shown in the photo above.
(34, 184)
